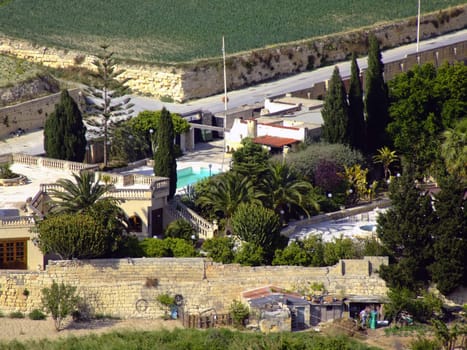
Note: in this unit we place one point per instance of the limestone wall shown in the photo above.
(30, 115)
(114, 286)
(204, 79)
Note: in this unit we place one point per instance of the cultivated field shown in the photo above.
(185, 30)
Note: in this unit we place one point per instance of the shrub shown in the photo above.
(181, 229)
(166, 301)
(16, 314)
(36, 315)
(1, 314)
(60, 300)
(169, 247)
(239, 313)
(219, 249)
(6, 173)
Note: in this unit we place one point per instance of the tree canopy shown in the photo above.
(376, 98)
(357, 127)
(165, 163)
(425, 234)
(75, 197)
(424, 103)
(108, 107)
(335, 111)
(64, 131)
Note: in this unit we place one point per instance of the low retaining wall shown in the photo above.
(117, 286)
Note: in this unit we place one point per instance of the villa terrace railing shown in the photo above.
(13, 221)
(204, 228)
(137, 194)
(154, 182)
(51, 163)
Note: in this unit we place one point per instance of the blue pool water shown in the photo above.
(192, 175)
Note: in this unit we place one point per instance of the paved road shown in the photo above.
(32, 143)
(297, 82)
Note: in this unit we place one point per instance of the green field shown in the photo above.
(184, 30)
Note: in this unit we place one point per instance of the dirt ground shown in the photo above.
(25, 329)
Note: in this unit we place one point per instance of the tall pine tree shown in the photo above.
(164, 157)
(356, 129)
(376, 99)
(107, 110)
(64, 131)
(450, 236)
(335, 111)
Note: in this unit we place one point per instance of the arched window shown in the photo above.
(135, 224)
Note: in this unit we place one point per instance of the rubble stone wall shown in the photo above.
(127, 288)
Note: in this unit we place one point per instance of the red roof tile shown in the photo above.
(274, 141)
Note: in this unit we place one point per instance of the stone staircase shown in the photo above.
(177, 210)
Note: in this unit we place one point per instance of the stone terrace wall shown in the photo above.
(32, 114)
(114, 286)
(204, 79)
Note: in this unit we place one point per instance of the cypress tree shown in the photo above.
(335, 111)
(376, 99)
(164, 157)
(64, 131)
(356, 128)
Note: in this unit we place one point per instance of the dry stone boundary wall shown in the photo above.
(113, 286)
(198, 80)
(32, 114)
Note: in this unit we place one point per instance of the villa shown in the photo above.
(143, 199)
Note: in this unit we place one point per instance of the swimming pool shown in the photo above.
(191, 175)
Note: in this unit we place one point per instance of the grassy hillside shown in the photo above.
(13, 71)
(183, 30)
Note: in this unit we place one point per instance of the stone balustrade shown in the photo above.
(51, 163)
(25, 159)
(11, 221)
(137, 194)
(47, 187)
(205, 229)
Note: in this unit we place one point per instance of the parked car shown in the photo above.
(18, 132)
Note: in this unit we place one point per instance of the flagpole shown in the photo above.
(225, 77)
(418, 26)
(225, 101)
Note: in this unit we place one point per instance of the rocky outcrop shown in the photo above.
(27, 90)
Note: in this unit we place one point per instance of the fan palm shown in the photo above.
(75, 197)
(282, 189)
(386, 157)
(229, 190)
(454, 149)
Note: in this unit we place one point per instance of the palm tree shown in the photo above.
(283, 189)
(454, 149)
(386, 157)
(76, 197)
(226, 193)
